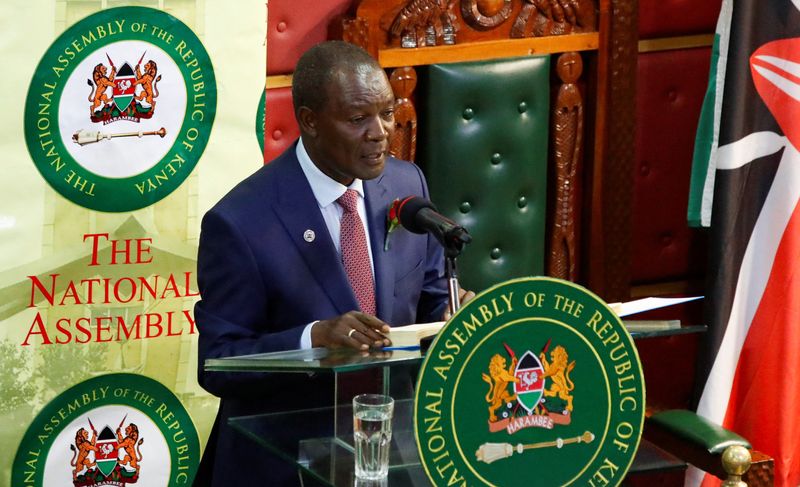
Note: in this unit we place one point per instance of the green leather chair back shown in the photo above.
(483, 147)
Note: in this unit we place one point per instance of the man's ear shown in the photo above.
(307, 120)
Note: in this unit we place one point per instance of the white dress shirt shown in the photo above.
(326, 192)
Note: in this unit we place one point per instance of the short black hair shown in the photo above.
(318, 65)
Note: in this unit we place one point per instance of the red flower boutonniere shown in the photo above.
(392, 221)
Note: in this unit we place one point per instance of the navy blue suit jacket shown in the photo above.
(262, 282)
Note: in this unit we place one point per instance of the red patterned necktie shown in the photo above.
(355, 254)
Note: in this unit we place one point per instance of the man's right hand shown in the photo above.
(353, 329)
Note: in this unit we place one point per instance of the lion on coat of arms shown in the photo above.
(148, 81)
(101, 83)
(81, 450)
(558, 369)
(128, 443)
(498, 379)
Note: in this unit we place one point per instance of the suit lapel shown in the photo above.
(378, 198)
(298, 211)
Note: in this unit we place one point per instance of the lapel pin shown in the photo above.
(309, 235)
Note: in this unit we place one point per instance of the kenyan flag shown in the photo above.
(747, 182)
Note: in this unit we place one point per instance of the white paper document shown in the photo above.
(647, 304)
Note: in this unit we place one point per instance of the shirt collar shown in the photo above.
(325, 189)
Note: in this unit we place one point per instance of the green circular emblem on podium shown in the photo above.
(534, 382)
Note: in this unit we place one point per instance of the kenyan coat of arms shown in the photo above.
(108, 458)
(532, 391)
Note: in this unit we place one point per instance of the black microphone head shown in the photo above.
(407, 212)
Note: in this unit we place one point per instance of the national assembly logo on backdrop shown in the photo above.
(120, 109)
(533, 382)
(113, 430)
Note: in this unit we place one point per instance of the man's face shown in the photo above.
(352, 130)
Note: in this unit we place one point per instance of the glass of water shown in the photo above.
(372, 433)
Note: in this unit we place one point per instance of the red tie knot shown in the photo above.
(348, 201)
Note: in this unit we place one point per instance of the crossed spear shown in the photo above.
(490, 452)
(83, 137)
(118, 427)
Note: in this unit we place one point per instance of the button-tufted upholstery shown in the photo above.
(281, 127)
(484, 152)
(671, 85)
(293, 26)
(665, 18)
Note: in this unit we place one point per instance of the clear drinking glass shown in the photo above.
(372, 433)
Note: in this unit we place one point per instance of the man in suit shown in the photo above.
(278, 264)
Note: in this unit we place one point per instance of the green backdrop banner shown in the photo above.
(123, 122)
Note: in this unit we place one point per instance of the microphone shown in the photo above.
(418, 215)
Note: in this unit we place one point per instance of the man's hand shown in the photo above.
(353, 329)
(463, 296)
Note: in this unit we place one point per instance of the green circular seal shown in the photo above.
(120, 109)
(534, 382)
(261, 120)
(116, 429)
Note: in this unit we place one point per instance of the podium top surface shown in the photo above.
(348, 360)
(314, 360)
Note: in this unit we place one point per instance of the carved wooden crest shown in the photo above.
(554, 17)
(485, 14)
(382, 24)
(422, 23)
